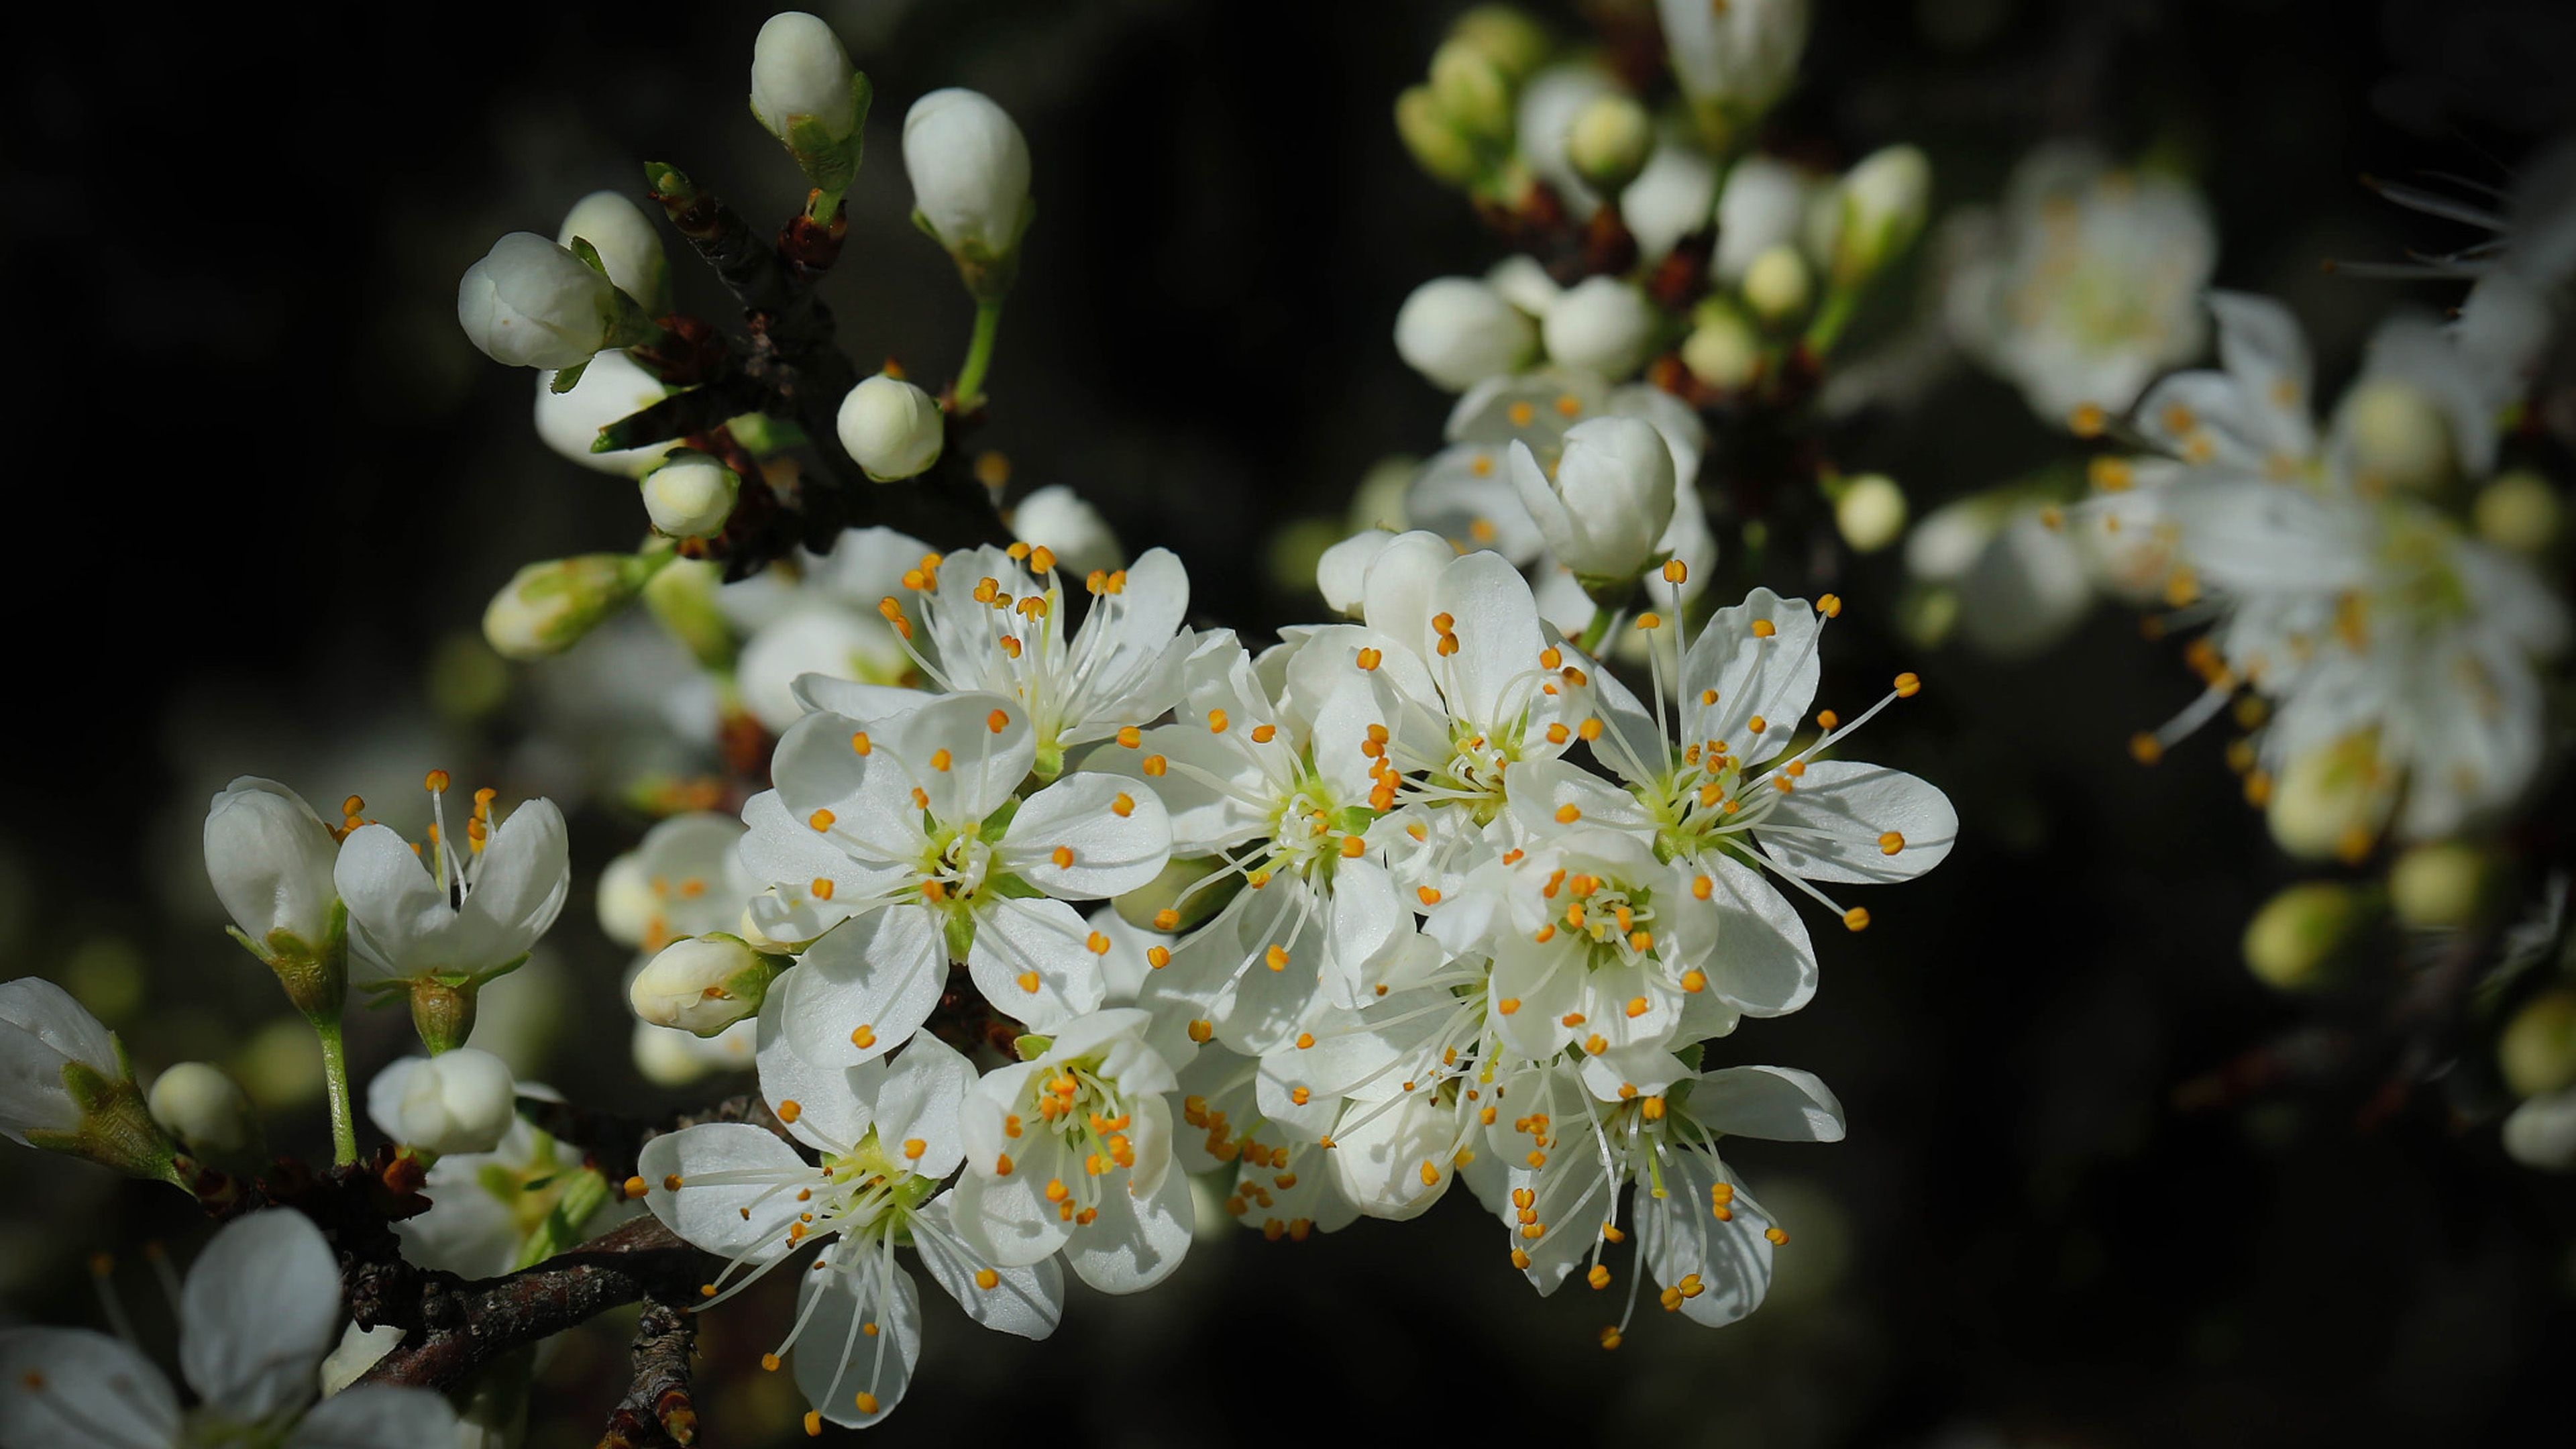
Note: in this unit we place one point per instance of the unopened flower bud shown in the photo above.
(2299, 935)
(1608, 503)
(2537, 1050)
(548, 607)
(690, 495)
(2443, 883)
(1341, 575)
(1472, 91)
(1870, 514)
(1722, 351)
(702, 985)
(1444, 152)
(2398, 435)
(1057, 519)
(65, 1085)
(270, 859)
(806, 93)
(1611, 138)
(1733, 60)
(1457, 331)
(893, 429)
(531, 303)
(969, 166)
(1505, 36)
(1778, 286)
(682, 599)
(458, 1101)
(1601, 325)
(205, 1110)
(1882, 202)
(1764, 205)
(1672, 198)
(1183, 897)
(627, 245)
(2521, 512)
(2333, 800)
(1521, 281)
(625, 900)
(800, 72)
(2541, 1132)
(611, 387)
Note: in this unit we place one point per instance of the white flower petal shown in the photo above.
(1679, 1235)
(1835, 825)
(882, 971)
(836, 1359)
(63, 1387)
(260, 1310)
(1112, 852)
(1770, 677)
(1778, 1103)
(1027, 1300)
(375, 1416)
(1136, 1242)
(711, 1216)
(1033, 961)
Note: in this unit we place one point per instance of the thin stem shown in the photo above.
(979, 355)
(1827, 329)
(335, 1070)
(1596, 631)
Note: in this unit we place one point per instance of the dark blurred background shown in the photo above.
(270, 487)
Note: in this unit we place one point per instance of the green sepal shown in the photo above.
(1011, 888)
(568, 378)
(1031, 1046)
(995, 824)
(960, 932)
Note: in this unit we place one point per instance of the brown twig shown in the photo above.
(457, 1327)
(657, 1411)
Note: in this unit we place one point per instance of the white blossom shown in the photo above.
(885, 1133)
(260, 1310)
(2086, 285)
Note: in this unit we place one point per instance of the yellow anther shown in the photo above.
(864, 1037)
(1890, 842)
(1098, 943)
(913, 1147)
(821, 819)
(1428, 895)
(1130, 736)
(1371, 658)
(940, 760)
(1158, 957)
(1041, 560)
(1200, 1031)
(1650, 620)
(1675, 571)
(1353, 847)
(2145, 748)
(1826, 719)
(822, 887)
(790, 1109)
(1568, 814)
(1908, 685)
(1122, 806)
(987, 1279)
(1599, 1277)
(1508, 1005)
(1694, 982)
(1778, 1238)
(1154, 766)
(635, 1187)
(673, 1182)
(1856, 919)
(1430, 1173)
(1275, 957)
(1216, 721)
